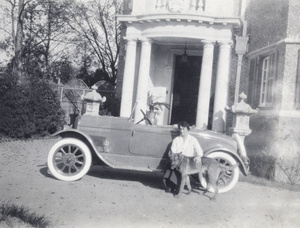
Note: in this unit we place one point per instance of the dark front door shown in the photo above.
(185, 89)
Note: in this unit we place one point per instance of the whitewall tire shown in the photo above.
(69, 159)
(230, 178)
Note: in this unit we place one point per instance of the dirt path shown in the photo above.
(114, 198)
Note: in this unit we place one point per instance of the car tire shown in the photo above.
(69, 159)
(231, 176)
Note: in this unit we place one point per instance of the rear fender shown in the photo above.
(73, 133)
(242, 167)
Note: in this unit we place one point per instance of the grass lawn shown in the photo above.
(16, 216)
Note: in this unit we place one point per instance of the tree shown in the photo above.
(41, 36)
(47, 34)
(18, 36)
(96, 24)
(7, 29)
(92, 34)
(62, 69)
(50, 30)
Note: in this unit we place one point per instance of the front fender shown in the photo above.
(243, 168)
(241, 148)
(73, 133)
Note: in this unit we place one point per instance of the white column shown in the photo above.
(128, 79)
(205, 84)
(222, 86)
(143, 77)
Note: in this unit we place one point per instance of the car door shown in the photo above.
(151, 140)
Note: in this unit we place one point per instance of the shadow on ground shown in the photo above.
(150, 179)
(45, 171)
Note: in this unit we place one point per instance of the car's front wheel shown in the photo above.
(69, 159)
(231, 175)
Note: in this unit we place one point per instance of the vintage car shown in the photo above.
(120, 143)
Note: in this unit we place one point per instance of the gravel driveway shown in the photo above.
(115, 198)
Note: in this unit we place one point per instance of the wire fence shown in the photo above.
(71, 97)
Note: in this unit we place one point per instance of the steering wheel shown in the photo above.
(145, 118)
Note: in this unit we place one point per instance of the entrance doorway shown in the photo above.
(185, 89)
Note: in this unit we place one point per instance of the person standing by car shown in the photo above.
(186, 144)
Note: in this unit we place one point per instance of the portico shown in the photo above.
(153, 42)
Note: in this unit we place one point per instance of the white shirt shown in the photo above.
(190, 147)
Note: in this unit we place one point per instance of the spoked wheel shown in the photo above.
(227, 181)
(69, 159)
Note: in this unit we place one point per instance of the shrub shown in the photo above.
(291, 169)
(280, 161)
(15, 113)
(263, 165)
(30, 109)
(48, 114)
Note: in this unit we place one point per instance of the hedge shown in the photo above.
(30, 109)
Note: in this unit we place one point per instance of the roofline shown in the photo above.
(270, 47)
(150, 18)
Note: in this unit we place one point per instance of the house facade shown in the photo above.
(271, 77)
(199, 55)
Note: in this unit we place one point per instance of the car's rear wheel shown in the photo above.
(69, 159)
(230, 177)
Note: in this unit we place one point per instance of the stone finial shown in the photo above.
(94, 96)
(242, 107)
(241, 118)
(93, 100)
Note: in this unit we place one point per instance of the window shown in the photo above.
(261, 80)
(266, 87)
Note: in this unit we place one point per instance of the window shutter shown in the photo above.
(272, 77)
(259, 63)
(252, 77)
(254, 83)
